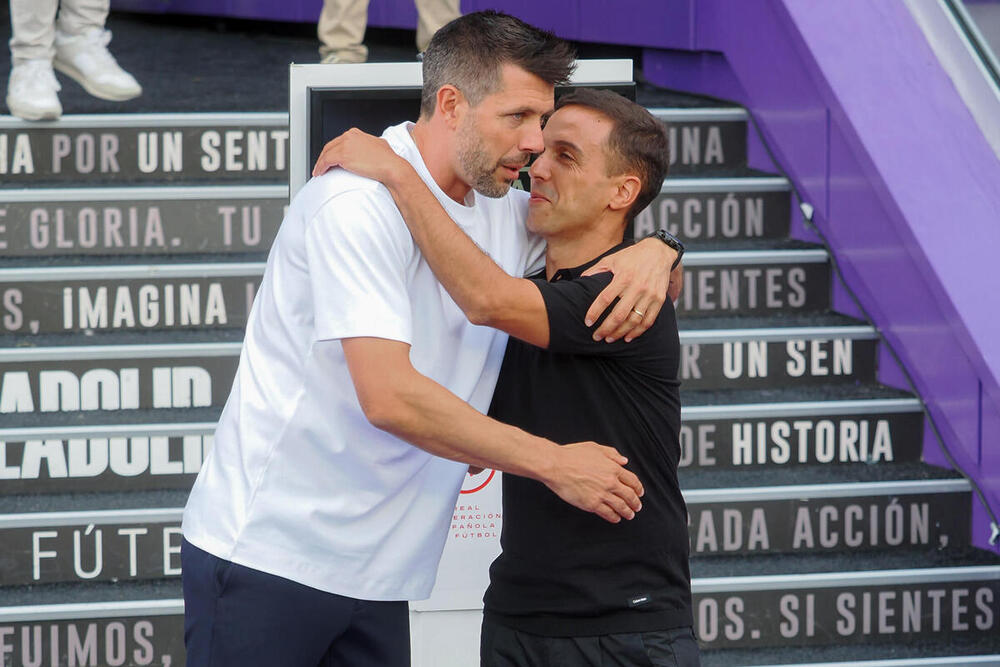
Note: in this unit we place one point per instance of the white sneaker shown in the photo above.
(86, 59)
(31, 91)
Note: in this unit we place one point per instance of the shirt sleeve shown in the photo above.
(358, 251)
(567, 303)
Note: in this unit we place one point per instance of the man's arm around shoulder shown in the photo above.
(398, 399)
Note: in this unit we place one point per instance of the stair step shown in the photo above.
(721, 208)
(145, 149)
(126, 457)
(109, 545)
(828, 517)
(958, 651)
(754, 282)
(129, 297)
(139, 632)
(158, 221)
(151, 374)
(135, 541)
(792, 434)
(860, 608)
(715, 356)
(209, 295)
(704, 138)
(857, 607)
(116, 377)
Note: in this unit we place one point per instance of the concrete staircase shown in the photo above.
(131, 249)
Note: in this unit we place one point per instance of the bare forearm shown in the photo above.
(426, 415)
(469, 275)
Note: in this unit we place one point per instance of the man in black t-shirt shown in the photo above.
(570, 588)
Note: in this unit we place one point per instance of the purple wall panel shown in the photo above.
(392, 14)
(932, 449)
(634, 22)
(703, 73)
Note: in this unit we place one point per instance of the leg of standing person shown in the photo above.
(341, 30)
(431, 15)
(82, 51)
(236, 616)
(501, 646)
(32, 91)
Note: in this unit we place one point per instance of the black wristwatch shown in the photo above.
(671, 241)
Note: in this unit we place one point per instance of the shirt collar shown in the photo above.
(576, 272)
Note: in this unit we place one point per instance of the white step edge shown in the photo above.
(97, 517)
(744, 257)
(731, 184)
(702, 496)
(105, 431)
(150, 120)
(146, 351)
(707, 114)
(145, 193)
(950, 661)
(225, 349)
(801, 409)
(222, 269)
(80, 610)
(132, 271)
(28, 613)
(841, 490)
(837, 579)
(707, 336)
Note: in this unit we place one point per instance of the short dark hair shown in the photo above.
(637, 144)
(470, 51)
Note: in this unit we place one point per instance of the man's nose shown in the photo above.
(539, 168)
(531, 139)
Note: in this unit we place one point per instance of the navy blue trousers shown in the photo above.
(236, 616)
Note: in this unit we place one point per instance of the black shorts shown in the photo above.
(501, 646)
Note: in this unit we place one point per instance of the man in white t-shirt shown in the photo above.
(315, 518)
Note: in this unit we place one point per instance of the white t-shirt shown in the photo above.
(299, 484)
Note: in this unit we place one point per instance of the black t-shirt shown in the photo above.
(564, 571)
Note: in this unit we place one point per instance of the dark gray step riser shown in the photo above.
(142, 304)
(162, 224)
(117, 384)
(116, 640)
(133, 459)
(86, 304)
(782, 443)
(932, 520)
(700, 146)
(716, 216)
(755, 289)
(121, 463)
(156, 227)
(847, 614)
(190, 379)
(127, 551)
(210, 152)
(40, 549)
(769, 364)
(787, 616)
(247, 150)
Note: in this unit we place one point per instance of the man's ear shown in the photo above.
(451, 104)
(626, 193)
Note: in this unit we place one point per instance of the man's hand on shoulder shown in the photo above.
(642, 275)
(362, 154)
